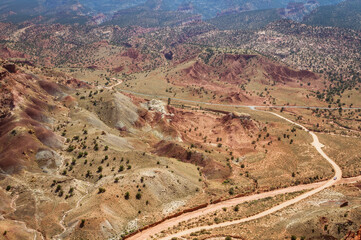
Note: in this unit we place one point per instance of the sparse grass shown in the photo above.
(306, 219)
(345, 151)
(239, 211)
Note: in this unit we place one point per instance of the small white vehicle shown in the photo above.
(335, 178)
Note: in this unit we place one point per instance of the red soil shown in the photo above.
(225, 73)
(75, 83)
(282, 74)
(210, 168)
(36, 114)
(50, 87)
(194, 127)
(23, 115)
(69, 101)
(16, 147)
(354, 236)
(118, 69)
(48, 138)
(5, 52)
(131, 53)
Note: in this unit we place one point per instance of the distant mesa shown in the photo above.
(99, 19)
(186, 7)
(232, 11)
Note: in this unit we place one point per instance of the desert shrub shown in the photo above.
(127, 195)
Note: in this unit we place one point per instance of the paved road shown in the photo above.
(319, 187)
(230, 105)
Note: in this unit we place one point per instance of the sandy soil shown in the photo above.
(319, 187)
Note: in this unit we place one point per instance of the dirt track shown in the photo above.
(226, 105)
(317, 187)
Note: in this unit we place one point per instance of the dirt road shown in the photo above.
(114, 85)
(317, 187)
(226, 105)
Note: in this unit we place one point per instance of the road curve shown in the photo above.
(319, 187)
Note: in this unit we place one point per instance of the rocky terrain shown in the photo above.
(112, 125)
(80, 147)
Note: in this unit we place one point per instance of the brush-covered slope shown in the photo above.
(344, 15)
(245, 20)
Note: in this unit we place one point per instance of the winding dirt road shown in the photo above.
(317, 187)
(114, 85)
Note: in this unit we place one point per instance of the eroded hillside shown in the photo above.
(105, 129)
(80, 160)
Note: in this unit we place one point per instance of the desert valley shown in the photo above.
(180, 120)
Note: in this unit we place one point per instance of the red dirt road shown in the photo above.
(317, 187)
